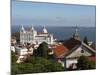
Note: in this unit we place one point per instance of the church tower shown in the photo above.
(32, 28)
(45, 30)
(22, 29)
(76, 34)
(33, 33)
(22, 35)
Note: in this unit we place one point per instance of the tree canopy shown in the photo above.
(13, 57)
(42, 50)
(36, 65)
(84, 63)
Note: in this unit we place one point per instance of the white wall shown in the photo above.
(21, 51)
(77, 53)
(69, 62)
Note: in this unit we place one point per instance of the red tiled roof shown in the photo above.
(92, 58)
(60, 51)
(71, 43)
(63, 49)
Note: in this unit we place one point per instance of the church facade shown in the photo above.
(32, 36)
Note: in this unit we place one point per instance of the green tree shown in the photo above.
(84, 63)
(85, 40)
(31, 59)
(92, 65)
(37, 65)
(42, 50)
(35, 53)
(53, 67)
(13, 57)
(14, 69)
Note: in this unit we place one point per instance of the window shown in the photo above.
(82, 51)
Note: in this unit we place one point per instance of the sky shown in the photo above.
(52, 14)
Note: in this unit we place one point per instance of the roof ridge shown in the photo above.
(88, 47)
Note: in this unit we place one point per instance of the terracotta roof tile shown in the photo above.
(60, 51)
(92, 58)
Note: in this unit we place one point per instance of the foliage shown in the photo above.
(30, 60)
(84, 63)
(85, 40)
(92, 64)
(13, 57)
(42, 50)
(36, 65)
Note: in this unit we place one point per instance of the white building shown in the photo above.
(21, 51)
(32, 36)
(70, 51)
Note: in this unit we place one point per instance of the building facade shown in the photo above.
(32, 36)
(70, 51)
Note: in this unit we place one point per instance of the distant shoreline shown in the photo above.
(54, 26)
(62, 33)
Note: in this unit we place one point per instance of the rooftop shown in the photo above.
(71, 43)
(60, 51)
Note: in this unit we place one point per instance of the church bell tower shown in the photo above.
(76, 34)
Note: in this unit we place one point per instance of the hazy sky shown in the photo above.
(47, 14)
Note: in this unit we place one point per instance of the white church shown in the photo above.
(32, 36)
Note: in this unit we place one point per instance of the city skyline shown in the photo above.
(51, 14)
